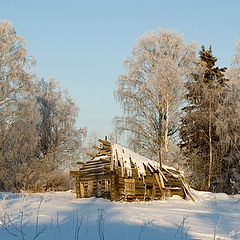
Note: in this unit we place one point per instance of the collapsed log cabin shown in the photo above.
(116, 173)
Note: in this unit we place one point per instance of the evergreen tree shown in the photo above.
(199, 138)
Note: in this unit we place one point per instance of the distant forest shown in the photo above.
(179, 108)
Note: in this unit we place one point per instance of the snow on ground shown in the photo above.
(60, 215)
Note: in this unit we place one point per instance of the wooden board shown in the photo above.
(81, 191)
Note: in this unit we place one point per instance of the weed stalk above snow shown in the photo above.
(101, 223)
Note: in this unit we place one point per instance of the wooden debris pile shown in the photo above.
(118, 173)
(104, 149)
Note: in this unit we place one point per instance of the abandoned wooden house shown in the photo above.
(116, 173)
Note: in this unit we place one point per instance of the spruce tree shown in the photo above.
(199, 139)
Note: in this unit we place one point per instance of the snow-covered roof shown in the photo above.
(125, 156)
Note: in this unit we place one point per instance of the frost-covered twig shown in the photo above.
(86, 223)
(101, 223)
(23, 204)
(59, 229)
(21, 221)
(37, 218)
(40, 232)
(14, 227)
(216, 227)
(144, 227)
(7, 222)
(37, 231)
(51, 224)
(78, 226)
(10, 232)
(181, 228)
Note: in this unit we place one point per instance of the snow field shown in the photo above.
(60, 215)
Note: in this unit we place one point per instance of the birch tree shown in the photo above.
(149, 91)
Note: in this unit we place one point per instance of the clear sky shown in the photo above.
(83, 43)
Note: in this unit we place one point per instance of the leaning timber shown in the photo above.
(118, 174)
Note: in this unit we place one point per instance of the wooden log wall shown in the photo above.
(147, 188)
(97, 178)
(93, 173)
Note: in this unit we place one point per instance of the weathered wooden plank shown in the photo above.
(104, 142)
(103, 153)
(96, 147)
(99, 169)
(74, 173)
(80, 163)
(186, 189)
(98, 161)
(158, 181)
(91, 155)
(94, 176)
(95, 166)
(107, 165)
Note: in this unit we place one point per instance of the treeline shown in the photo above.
(38, 137)
(180, 108)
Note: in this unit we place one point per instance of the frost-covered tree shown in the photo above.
(228, 129)
(209, 128)
(15, 64)
(18, 110)
(38, 136)
(150, 90)
(60, 141)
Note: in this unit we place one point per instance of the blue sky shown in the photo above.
(83, 43)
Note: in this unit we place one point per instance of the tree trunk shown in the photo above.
(210, 145)
(166, 131)
(160, 137)
(160, 158)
